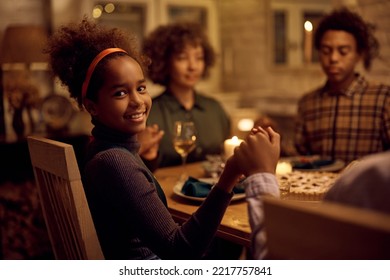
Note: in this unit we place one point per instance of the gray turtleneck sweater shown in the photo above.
(129, 209)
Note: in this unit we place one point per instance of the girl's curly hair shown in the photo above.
(345, 20)
(170, 39)
(73, 47)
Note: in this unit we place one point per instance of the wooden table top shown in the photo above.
(235, 224)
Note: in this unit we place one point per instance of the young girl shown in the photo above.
(104, 72)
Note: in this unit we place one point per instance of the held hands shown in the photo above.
(259, 152)
(150, 141)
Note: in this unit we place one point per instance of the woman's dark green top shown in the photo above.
(211, 122)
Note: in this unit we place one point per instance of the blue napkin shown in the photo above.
(196, 188)
(312, 164)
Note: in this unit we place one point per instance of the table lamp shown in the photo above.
(21, 54)
(23, 44)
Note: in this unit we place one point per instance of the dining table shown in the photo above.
(235, 223)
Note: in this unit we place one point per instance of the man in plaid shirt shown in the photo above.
(348, 117)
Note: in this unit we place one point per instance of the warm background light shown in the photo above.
(245, 124)
(230, 145)
(109, 8)
(308, 38)
(308, 26)
(97, 11)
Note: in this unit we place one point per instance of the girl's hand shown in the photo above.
(259, 152)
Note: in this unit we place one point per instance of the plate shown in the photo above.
(179, 185)
(334, 166)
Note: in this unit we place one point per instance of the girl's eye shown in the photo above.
(141, 89)
(120, 93)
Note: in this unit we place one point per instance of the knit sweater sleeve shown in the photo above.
(125, 189)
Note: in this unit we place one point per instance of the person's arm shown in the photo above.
(257, 158)
(364, 184)
(256, 187)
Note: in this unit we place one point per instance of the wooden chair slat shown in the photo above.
(65, 207)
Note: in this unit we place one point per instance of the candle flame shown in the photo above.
(308, 26)
(235, 140)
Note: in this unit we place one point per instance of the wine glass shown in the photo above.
(184, 139)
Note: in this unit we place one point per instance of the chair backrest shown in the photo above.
(324, 230)
(65, 208)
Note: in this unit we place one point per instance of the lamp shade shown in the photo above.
(23, 44)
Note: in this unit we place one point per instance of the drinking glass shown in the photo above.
(184, 141)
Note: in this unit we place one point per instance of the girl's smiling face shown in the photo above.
(123, 102)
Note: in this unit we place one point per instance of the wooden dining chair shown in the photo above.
(324, 230)
(68, 219)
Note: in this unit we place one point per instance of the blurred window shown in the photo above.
(292, 44)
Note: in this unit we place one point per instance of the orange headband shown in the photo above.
(92, 67)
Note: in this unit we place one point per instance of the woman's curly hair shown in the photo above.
(73, 47)
(171, 39)
(345, 20)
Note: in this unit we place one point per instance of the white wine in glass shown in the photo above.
(184, 141)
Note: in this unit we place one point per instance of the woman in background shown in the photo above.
(181, 56)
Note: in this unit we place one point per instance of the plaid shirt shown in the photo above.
(344, 125)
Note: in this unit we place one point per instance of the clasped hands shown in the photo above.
(258, 153)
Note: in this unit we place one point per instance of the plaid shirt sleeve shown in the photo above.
(256, 186)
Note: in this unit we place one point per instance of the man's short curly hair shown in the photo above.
(73, 47)
(171, 39)
(345, 20)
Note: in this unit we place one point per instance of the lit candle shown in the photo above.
(283, 168)
(308, 26)
(230, 144)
